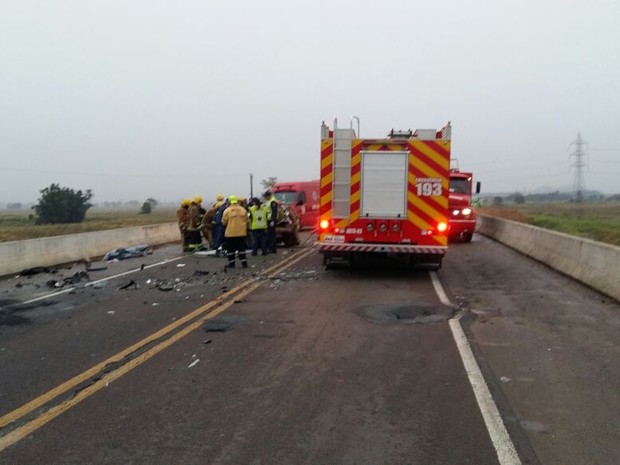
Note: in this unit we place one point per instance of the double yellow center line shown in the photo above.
(171, 333)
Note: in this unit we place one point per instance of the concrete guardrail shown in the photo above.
(50, 251)
(593, 263)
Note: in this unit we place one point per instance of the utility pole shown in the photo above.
(251, 185)
(579, 155)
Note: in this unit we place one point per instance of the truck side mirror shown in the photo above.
(478, 187)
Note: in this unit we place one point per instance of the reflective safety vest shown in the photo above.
(272, 206)
(258, 217)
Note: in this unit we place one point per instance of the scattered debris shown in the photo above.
(194, 363)
(128, 252)
(74, 279)
(37, 270)
(200, 273)
(180, 265)
(96, 268)
(127, 285)
(111, 312)
(208, 341)
(155, 304)
(505, 379)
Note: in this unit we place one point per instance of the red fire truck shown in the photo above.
(462, 220)
(384, 195)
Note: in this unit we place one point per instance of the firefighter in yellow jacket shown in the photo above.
(235, 220)
(183, 222)
(194, 224)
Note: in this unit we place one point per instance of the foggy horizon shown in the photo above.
(175, 99)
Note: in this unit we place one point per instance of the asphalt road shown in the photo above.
(332, 367)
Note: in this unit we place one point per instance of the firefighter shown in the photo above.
(272, 218)
(235, 220)
(218, 231)
(219, 200)
(194, 225)
(258, 226)
(183, 222)
(208, 226)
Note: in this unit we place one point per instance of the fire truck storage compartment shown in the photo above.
(384, 184)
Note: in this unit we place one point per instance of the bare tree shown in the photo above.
(269, 182)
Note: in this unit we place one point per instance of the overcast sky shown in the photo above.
(168, 99)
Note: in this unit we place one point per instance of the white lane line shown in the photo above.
(443, 297)
(505, 449)
(92, 283)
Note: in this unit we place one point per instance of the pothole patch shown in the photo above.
(418, 313)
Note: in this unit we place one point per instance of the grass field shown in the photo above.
(16, 225)
(599, 221)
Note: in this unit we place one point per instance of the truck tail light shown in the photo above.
(324, 225)
(442, 227)
(466, 211)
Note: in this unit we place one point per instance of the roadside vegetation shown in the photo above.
(16, 225)
(596, 220)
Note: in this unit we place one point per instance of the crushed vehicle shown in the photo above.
(287, 226)
(303, 198)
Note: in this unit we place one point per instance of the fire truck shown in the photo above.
(386, 195)
(462, 220)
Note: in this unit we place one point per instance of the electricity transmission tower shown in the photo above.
(580, 165)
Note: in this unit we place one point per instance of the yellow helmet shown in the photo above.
(232, 199)
(220, 197)
(197, 199)
(185, 202)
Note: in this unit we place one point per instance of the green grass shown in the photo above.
(599, 221)
(18, 225)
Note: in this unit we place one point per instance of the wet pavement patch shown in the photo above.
(10, 319)
(10, 307)
(418, 313)
(8, 302)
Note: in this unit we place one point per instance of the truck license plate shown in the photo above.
(334, 239)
